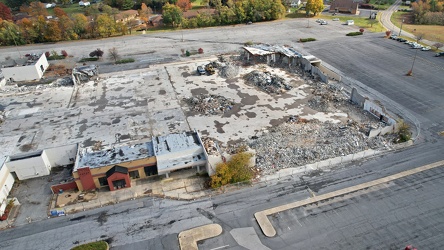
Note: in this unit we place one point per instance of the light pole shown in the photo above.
(400, 30)
(410, 73)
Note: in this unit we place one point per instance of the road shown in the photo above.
(376, 66)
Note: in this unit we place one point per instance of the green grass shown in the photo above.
(197, 4)
(88, 59)
(382, 4)
(304, 40)
(296, 14)
(99, 245)
(430, 32)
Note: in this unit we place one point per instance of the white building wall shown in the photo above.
(6, 183)
(29, 168)
(60, 156)
(27, 73)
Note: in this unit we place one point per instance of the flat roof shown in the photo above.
(265, 49)
(175, 142)
(8, 146)
(18, 62)
(113, 154)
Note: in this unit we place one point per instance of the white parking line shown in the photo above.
(220, 247)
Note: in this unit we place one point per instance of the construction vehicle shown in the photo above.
(210, 69)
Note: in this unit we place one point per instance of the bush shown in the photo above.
(47, 54)
(54, 56)
(310, 39)
(237, 169)
(187, 53)
(64, 53)
(96, 53)
(127, 60)
(404, 133)
(88, 59)
(99, 245)
(361, 30)
(354, 33)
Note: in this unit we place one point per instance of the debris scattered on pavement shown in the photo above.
(209, 104)
(229, 71)
(267, 82)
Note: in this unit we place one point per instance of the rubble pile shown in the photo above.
(267, 82)
(327, 97)
(299, 143)
(211, 146)
(229, 71)
(209, 104)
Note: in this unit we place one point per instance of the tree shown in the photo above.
(35, 9)
(438, 45)
(106, 26)
(145, 13)
(315, 6)
(52, 32)
(96, 53)
(66, 26)
(28, 30)
(5, 12)
(172, 14)
(80, 23)
(113, 54)
(235, 170)
(10, 34)
(372, 22)
(126, 4)
(59, 12)
(15, 4)
(184, 5)
(65, 2)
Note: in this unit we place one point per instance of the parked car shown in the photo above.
(335, 19)
(393, 37)
(401, 40)
(201, 70)
(319, 20)
(427, 48)
(323, 22)
(439, 54)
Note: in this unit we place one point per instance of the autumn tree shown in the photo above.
(80, 23)
(66, 26)
(184, 5)
(10, 33)
(59, 12)
(52, 32)
(237, 169)
(106, 26)
(28, 30)
(35, 9)
(145, 13)
(172, 14)
(5, 12)
(315, 6)
(96, 53)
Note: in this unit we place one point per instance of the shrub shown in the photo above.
(404, 133)
(310, 39)
(354, 33)
(126, 60)
(187, 53)
(248, 43)
(64, 53)
(99, 245)
(88, 59)
(388, 33)
(361, 30)
(237, 169)
(96, 53)
(47, 54)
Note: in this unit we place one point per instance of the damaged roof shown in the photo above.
(113, 154)
(265, 49)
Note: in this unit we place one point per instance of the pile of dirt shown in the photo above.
(272, 84)
(209, 104)
(229, 71)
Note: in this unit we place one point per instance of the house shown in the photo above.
(126, 16)
(29, 68)
(344, 6)
(50, 5)
(295, 4)
(84, 3)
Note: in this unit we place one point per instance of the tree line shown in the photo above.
(98, 20)
(232, 12)
(428, 12)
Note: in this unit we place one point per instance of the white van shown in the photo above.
(350, 22)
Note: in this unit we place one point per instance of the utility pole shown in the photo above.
(400, 30)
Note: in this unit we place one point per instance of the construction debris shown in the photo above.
(209, 104)
(229, 71)
(302, 142)
(267, 82)
(85, 73)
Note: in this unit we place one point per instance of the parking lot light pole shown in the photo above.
(400, 30)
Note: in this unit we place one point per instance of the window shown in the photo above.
(41, 68)
(103, 181)
(134, 174)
